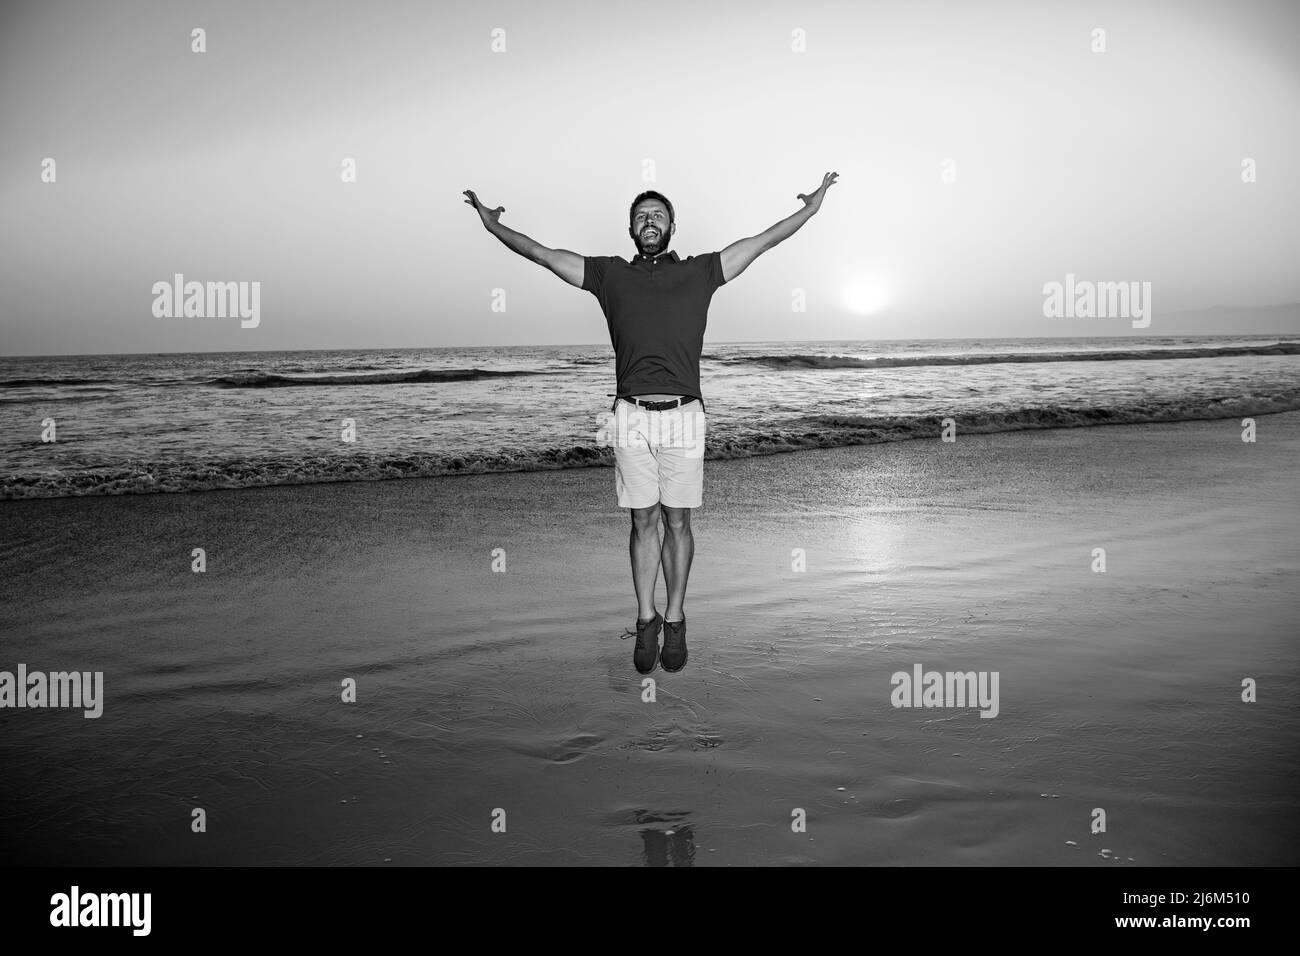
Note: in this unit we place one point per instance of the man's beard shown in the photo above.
(663, 239)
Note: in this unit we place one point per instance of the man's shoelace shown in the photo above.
(640, 637)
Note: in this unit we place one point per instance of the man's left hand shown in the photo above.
(815, 199)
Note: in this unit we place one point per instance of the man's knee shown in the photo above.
(677, 520)
(645, 519)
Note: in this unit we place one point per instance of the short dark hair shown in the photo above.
(651, 194)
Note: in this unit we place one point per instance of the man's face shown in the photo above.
(651, 230)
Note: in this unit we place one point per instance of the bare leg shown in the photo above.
(644, 548)
(678, 550)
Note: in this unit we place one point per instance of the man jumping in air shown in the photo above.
(656, 307)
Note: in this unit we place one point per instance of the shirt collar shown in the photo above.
(670, 255)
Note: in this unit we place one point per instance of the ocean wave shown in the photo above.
(421, 376)
(58, 401)
(345, 368)
(808, 432)
(211, 475)
(800, 362)
(51, 380)
(863, 429)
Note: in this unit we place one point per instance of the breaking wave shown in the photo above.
(790, 435)
(421, 376)
(1005, 358)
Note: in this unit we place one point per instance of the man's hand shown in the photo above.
(737, 256)
(569, 266)
(490, 217)
(815, 199)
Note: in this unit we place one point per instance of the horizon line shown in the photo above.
(426, 348)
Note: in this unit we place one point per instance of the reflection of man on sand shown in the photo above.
(656, 307)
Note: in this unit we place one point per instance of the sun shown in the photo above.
(866, 295)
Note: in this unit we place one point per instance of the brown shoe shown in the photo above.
(673, 656)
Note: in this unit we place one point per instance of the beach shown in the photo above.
(480, 691)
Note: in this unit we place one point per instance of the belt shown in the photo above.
(658, 406)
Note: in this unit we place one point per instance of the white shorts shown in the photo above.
(659, 456)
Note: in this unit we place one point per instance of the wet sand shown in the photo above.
(479, 690)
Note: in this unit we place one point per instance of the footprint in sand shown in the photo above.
(575, 748)
(675, 735)
(568, 750)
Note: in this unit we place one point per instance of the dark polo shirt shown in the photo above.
(656, 309)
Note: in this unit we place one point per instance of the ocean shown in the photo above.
(125, 424)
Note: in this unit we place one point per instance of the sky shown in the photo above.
(983, 150)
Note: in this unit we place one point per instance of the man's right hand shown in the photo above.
(490, 217)
(569, 266)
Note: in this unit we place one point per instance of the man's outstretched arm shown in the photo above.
(737, 256)
(567, 265)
